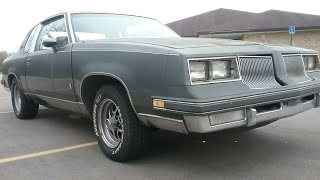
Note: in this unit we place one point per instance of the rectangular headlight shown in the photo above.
(311, 62)
(225, 69)
(199, 70)
(220, 69)
(213, 70)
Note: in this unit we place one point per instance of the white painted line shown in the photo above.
(16, 158)
(6, 112)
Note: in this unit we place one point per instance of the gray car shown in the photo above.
(133, 75)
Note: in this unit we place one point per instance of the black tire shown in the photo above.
(27, 108)
(135, 137)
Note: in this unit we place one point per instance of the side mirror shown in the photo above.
(50, 42)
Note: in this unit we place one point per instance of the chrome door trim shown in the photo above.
(57, 99)
(70, 27)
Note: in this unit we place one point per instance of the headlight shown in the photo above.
(213, 70)
(199, 70)
(311, 62)
(220, 69)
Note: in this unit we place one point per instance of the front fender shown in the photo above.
(143, 74)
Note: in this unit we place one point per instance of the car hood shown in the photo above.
(182, 43)
(188, 46)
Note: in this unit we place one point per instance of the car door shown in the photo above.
(20, 58)
(38, 66)
(49, 71)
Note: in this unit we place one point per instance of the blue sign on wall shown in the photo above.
(292, 30)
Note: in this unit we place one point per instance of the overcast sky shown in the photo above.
(18, 16)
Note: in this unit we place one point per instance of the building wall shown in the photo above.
(304, 39)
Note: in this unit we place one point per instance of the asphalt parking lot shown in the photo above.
(56, 146)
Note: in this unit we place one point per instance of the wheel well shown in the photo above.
(10, 78)
(91, 85)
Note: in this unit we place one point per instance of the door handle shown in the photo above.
(29, 60)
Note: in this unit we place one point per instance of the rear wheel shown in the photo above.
(119, 132)
(23, 107)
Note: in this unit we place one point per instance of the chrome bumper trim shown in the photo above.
(201, 123)
(164, 123)
(251, 114)
(284, 112)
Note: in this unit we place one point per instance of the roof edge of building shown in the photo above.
(259, 30)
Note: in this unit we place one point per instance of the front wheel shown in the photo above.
(119, 132)
(23, 107)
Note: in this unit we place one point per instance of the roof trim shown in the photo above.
(53, 16)
(90, 12)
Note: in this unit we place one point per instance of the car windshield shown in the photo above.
(112, 26)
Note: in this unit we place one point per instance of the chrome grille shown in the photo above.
(295, 68)
(257, 72)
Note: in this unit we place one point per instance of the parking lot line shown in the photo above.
(6, 112)
(16, 158)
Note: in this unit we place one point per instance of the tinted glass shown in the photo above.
(54, 29)
(111, 26)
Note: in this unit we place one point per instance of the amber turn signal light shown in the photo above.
(158, 103)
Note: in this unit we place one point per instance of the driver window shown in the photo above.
(54, 29)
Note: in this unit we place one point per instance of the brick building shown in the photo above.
(269, 26)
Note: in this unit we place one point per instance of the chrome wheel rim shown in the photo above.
(17, 98)
(110, 123)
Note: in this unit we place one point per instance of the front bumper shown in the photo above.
(250, 99)
(259, 109)
(287, 108)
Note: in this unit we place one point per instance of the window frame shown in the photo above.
(45, 22)
(30, 39)
(34, 39)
